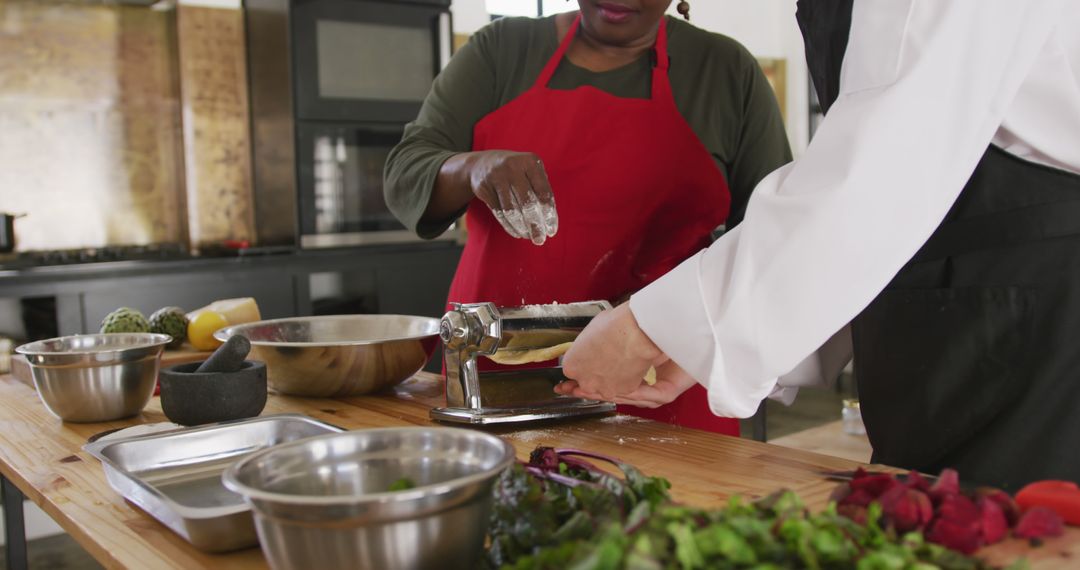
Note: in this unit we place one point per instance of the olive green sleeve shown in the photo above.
(460, 96)
(762, 140)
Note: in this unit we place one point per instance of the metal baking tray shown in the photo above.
(175, 476)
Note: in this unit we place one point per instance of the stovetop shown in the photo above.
(30, 259)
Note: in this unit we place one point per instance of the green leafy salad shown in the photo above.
(560, 511)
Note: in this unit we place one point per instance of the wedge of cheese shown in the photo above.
(237, 311)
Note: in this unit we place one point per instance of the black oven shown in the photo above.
(341, 184)
(333, 83)
(358, 60)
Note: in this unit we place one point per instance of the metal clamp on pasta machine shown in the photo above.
(511, 335)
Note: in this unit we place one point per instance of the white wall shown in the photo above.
(766, 27)
(469, 15)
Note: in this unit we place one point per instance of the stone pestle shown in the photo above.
(229, 357)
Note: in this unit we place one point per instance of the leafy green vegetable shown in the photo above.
(403, 484)
(561, 512)
(559, 499)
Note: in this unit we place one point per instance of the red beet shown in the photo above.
(906, 509)
(875, 484)
(858, 497)
(1039, 522)
(994, 524)
(947, 484)
(915, 480)
(889, 499)
(960, 510)
(1003, 500)
(965, 538)
(946, 515)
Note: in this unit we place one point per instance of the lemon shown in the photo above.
(201, 330)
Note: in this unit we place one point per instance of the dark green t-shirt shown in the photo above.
(718, 87)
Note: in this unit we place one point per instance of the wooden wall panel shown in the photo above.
(217, 152)
(89, 125)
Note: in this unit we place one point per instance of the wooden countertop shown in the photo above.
(42, 456)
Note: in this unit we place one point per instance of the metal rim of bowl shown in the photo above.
(224, 334)
(31, 348)
(229, 477)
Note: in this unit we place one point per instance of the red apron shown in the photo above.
(636, 192)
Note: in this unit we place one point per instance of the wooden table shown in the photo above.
(42, 457)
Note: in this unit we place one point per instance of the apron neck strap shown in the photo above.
(660, 49)
(661, 85)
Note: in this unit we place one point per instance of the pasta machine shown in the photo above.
(511, 335)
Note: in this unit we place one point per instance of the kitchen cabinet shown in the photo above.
(410, 279)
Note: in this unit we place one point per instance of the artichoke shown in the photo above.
(125, 320)
(171, 321)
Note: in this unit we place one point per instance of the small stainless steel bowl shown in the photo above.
(324, 502)
(339, 355)
(95, 377)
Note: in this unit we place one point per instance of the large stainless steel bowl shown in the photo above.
(339, 355)
(324, 502)
(95, 377)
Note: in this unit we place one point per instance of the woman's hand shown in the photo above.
(513, 184)
(515, 187)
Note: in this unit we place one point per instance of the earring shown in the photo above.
(684, 9)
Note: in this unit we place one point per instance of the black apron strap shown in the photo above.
(825, 26)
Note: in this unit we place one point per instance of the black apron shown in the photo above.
(970, 357)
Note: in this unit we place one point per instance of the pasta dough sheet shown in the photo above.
(537, 339)
(526, 347)
(510, 356)
(525, 356)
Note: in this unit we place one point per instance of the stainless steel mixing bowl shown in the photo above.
(324, 502)
(95, 377)
(339, 355)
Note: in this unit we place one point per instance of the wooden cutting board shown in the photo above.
(20, 368)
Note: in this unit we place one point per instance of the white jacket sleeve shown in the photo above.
(925, 85)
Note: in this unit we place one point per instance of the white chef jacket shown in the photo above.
(926, 86)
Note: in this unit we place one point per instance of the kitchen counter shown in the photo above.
(405, 278)
(42, 456)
